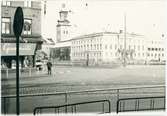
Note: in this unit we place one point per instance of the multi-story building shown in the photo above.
(109, 47)
(156, 50)
(30, 40)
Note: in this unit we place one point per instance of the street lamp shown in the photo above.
(124, 57)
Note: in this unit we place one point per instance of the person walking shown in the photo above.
(49, 66)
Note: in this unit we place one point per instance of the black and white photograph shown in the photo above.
(81, 57)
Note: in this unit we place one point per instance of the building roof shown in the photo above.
(98, 34)
(101, 34)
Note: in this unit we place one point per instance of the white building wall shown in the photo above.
(104, 47)
(156, 50)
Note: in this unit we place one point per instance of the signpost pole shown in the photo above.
(17, 28)
(17, 77)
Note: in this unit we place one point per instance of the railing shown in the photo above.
(6, 71)
(73, 107)
(148, 102)
(115, 91)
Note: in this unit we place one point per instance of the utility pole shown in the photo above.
(124, 63)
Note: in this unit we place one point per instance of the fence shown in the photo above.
(73, 107)
(147, 103)
(6, 73)
(117, 92)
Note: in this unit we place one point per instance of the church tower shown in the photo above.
(63, 26)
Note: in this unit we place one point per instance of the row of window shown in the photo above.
(6, 26)
(121, 47)
(27, 3)
(155, 55)
(132, 40)
(86, 55)
(155, 49)
(117, 54)
(88, 47)
(87, 41)
(156, 42)
(65, 32)
(97, 47)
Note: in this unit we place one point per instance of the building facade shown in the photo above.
(108, 47)
(156, 50)
(30, 40)
(47, 45)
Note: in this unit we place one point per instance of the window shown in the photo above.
(111, 53)
(27, 26)
(120, 46)
(27, 3)
(110, 46)
(100, 46)
(148, 54)
(115, 47)
(6, 25)
(6, 3)
(138, 47)
(64, 32)
(105, 46)
(97, 46)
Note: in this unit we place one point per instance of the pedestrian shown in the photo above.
(49, 66)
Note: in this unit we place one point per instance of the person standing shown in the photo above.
(49, 66)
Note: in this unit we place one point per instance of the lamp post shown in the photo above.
(17, 27)
(124, 63)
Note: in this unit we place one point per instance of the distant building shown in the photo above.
(47, 45)
(62, 48)
(156, 50)
(63, 26)
(108, 47)
(30, 40)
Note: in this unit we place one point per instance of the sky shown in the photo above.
(145, 17)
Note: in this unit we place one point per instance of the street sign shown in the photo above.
(17, 28)
(18, 22)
